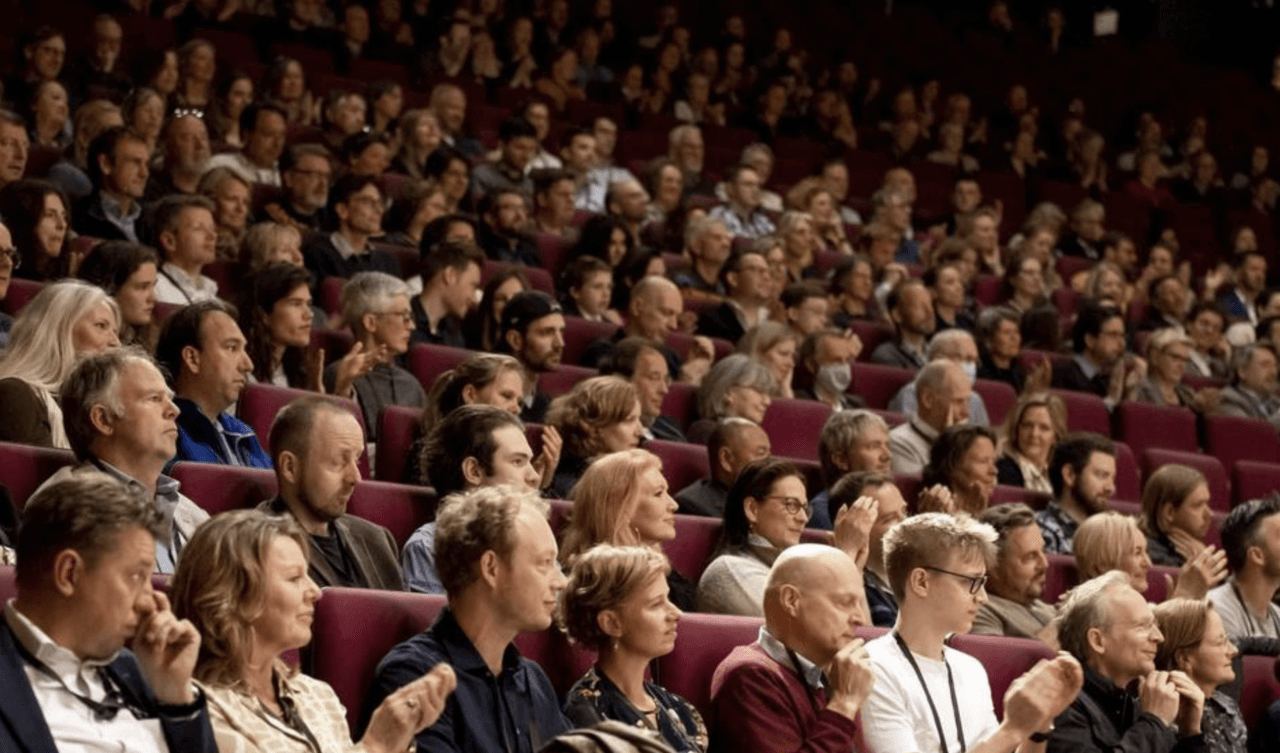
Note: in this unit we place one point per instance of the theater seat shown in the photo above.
(793, 427)
(26, 467)
(998, 397)
(1005, 659)
(702, 642)
(877, 384)
(562, 380)
(1219, 487)
(682, 463)
(1232, 438)
(690, 551)
(1085, 412)
(400, 508)
(681, 404)
(1259, 688)
(1011, 494)
(539, 279)
(398, 427)
(1254, 480)
(1128, 481)
(1060, 577)
(354, 628)
(428, 361)
(20, 294)
(1142, 425)
(871, 334)
(260, 403)
(219, 488)
(580, 333)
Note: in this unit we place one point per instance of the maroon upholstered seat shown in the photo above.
(682, 463)
(1232, 438)
(217, 488)
(397, 429)
(1254, 480)
(1005, 659)
(1142, 425)
(998, 397)
(26, 467)
(400, 508)
(877, 384)
(793, 427)
(428, 361)
(1085, 412)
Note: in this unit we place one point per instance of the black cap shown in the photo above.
(525, 308)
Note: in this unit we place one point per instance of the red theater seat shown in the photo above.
(681, 404)
(400, 508)
(20, 294)
(397, 429)
(580, 333)
(218, 488)
(1142, 425)
(562, 380)
(1005, 659)
(26, 467)
(428, 361)
(539, 278)
(1128, 481)
(682, 463)
(690, 551)
(1085, 412)
(793, 427)
(259, 404)
(877, 384)
(1254, 480)
(998, 397)
(871, 334)
(702, 642)
(1008, 494)
(1219, 487)
(1259, 688)
(1060, 577)
(1232, 438)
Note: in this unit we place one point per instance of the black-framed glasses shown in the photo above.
(794, 506)
(976, 582)
(12, 255)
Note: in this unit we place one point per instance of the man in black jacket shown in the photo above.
(746, 277)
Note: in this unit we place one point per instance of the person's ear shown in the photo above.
(1094, 638)
(342, 210)
(469, 394)
(104, 164)
(370, 323)
(751, 508)
(610, 623)
(1164, 517)
(515, 340)
(789, 598)
(68, 569)
(288, 466)
(471, 472)
(489, 567)
(450, 276)
(1184, 663)
(102, 420)
(191, 359)
(724, 459)
(1068, 476)
(841, 461)
(168, 241)
(731, 279)
(918, 581)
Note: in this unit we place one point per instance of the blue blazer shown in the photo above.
(22, 725)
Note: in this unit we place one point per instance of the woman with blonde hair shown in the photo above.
(1111, 541)
(267, 242)
(617, 603)
(1196, 644)
(1168, 351)
(799, 243)
(62, 323)
(775, 345)
(601, 415)
(243, 583)
(1030, 432)
(231, 195)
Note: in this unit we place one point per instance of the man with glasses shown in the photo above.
(742, 214)
(746, 277)
(928, 698)
(376, 307)
(1100, 364)
(305, 172)
(357, 206)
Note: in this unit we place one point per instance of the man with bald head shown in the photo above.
(953, 345)
(449, 103)
(733, 443)
(942, 389)
(801, 685)
(652, 313)
(186, 158)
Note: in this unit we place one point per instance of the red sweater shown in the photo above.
(759, 705)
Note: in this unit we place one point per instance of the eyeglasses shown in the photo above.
(976, 582)
(12, 255)
(404, 316)
(794, 506)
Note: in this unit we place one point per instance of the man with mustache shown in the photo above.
(533, 331)
(1016, 581)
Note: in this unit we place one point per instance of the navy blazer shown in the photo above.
(22, 725)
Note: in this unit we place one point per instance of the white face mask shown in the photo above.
(834, 377)
(970, 370)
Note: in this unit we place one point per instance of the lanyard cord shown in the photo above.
(1254, 628)
(104, 710)
(808, 690)
(955, 704)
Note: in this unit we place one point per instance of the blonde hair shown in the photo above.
(593, 405)
(219, 586)
(604, 577)
(928, 539)
(259, 239)
(1163, 338)
(1182, 622)
(1047, 400)
(41, 348)
(604, 499)
(1097, 543)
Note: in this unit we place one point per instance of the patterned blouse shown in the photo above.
(241, 724)
(1222, 725)
(595, 699)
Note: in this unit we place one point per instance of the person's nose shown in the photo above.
(114, 339)
(170, 409)
(531, 477)
(246, 363)
(313, 592)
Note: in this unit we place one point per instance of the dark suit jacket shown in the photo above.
(372, 546)
(89, 219)
(1068, 376)
(22, 725)
(722, 322)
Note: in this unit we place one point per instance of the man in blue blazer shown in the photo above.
(86, 551)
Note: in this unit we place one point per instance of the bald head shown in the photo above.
(805, 566)
(942, 394)
(655, 308)
(814, 601)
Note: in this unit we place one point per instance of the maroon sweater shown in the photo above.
(759, 705)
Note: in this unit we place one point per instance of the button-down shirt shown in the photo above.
(166, 499)
(175, 286)
(1058, 528)
(242, 724)
(70, 720)
(516, 711)
(775, 649)
(756, 224)
(126, 221)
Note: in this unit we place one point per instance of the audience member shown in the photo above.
(1000, 342)
(891, 509)
(186, 154)
(1016, 578)
(963, 459)
(742, 213)
(652, 313)
(1176, 514)
(356, 204)
(518, 143)
(1168, 351)
(1249, 279)
(748, 292)
(37, 216)
(707, 242)
(127, 272)
(957, 346)
(183, 230)
(599, 416)
(851, 440)
(1250, 537)
(910, 307)
(1082, 471)
(1195, 643)
(305, 175)
(1112, 541)
(735, 386)
(773, 344)
(533, 332)
(937, 566)
(1110, 629)
(504, 225)
(82, 536)
(615, 598)
(639, 361)
(120, 420)
(62, 324)
(316, 446)
(1031, 432)
(276, 319)
(731, 445)
(807, 307)
(497, 560)
(1252, 392)
(15, 146)
(262, 129)
(203, 351)
(117, 162)
(942, 390)
(473, 446)
(484, 378)
(1100, 365)
(450, 275)
(243, 579)
(231, 197)
(824, 371)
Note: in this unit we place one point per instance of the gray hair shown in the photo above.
(41, 349)
(1085, 608)
(933, 376)
(758, 148)
(699, 227)
(96, 381)
(737, 370)
(946, 341)
(989, 320)
(369, 293)
(259, 239)
(1242, 357)
(843, 428)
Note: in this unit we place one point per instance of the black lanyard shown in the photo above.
(808, 689)
(290, 716)
(181, 289)
(1254, 628)
(955, 705)
(104, 710)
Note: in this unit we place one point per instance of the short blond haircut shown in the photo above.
(474, 522)
(928, 539)
(1100, 540)
(604, 577)
(604, 499)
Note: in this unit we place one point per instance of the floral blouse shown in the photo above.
(595, 699)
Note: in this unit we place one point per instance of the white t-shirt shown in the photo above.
(896, 716)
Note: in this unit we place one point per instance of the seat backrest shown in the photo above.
(562, 380)
(539, 279)
(218, 488)
(702, 642)
(877, 384)
(26, 467)
(20, 293)
(1128, 478)
(1259, 687)
(1219, 487)
(399, 508)
(690, 551)
(1060, 577)
(682, 463)
(397, 429)
(428, 361)
(354, 628)
(1142, 425)
(681, 404)
(1254, 480)
(998, 397)
(1008, 494)
(871, 334)
(579, 333)
(1085, 412)
(793, 427)
(1232, 438)
(260, 403)
(1005, 659)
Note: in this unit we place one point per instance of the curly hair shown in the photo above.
(604, 577)
(220, 586)
(474, 522)
(604, 500)
(593, 405)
